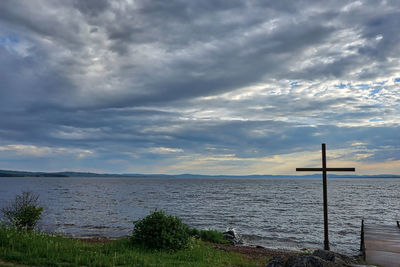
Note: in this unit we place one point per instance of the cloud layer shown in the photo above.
(212, 87)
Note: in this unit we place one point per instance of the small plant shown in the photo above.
(193, 232)
(24, 212)
(161, 231)
(213, 236)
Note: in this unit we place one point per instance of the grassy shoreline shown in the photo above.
(40, 249)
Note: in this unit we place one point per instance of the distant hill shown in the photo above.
(8, 173)
(5, 173)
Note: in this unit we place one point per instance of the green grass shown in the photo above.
(38, 249)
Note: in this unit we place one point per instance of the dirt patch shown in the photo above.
(11, 264)
(259, 255)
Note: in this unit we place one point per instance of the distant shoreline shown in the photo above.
(10, 174)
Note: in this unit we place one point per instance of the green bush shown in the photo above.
(213, 236)
(161, 231)
(193, 232)
(24, 212)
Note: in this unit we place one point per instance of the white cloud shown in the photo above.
(165, 150)
(35, 151)
(28, 150)
(352, 6)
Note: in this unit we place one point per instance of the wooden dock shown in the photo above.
(381, 244)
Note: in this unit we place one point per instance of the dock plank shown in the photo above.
(382, 245)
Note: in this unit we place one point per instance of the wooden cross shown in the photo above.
(324, 170)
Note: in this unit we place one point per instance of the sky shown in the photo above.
(203, 87)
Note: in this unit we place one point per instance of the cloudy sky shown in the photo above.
(207, 87)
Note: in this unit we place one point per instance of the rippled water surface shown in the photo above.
(268, 212)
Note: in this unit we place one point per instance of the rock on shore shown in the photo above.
(233, 237)
(319, 258)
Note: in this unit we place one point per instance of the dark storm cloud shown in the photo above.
(91, 7)
(236, 58)
(116, 80)
(27, 81)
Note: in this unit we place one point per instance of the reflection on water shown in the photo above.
(269, 212)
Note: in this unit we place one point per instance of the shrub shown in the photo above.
(24, 212)
(193, 232)
(213, 236)
(161, 231)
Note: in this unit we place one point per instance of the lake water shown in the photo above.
(276, 213)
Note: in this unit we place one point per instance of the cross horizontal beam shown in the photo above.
(325, 169)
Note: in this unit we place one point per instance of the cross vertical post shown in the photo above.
(325, 197)
(324, 170)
